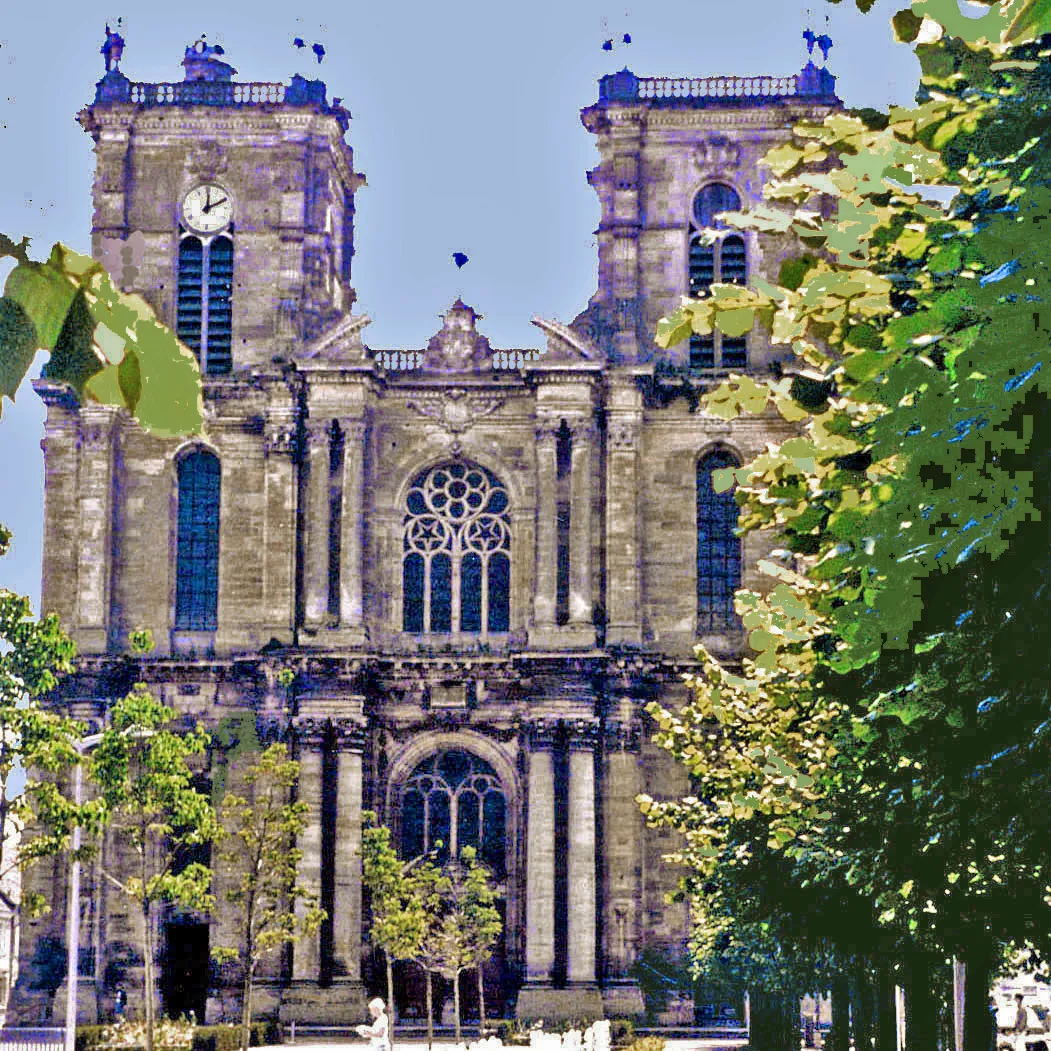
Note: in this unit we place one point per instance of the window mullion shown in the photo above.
(454, 587)
(484, 559)
(427, 593)
(206, 254)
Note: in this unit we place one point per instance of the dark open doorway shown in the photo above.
(186, 970)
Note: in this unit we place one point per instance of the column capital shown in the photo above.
(547, 431)
(582, 428)
(542, 735)
(317, 430)
(623, 433)
(622, 736)
(310, 730)
(354, 429)
(279, 438)
(582, 734)
(350, 734)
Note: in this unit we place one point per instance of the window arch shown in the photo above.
(724, 262)
(197, 543)
(718, 548)
(454, 799)
(204, 301)
(456, 569)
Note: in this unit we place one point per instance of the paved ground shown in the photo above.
(319, 1044)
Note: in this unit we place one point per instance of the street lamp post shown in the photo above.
(85, 744)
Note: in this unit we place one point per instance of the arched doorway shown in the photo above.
(449, 800)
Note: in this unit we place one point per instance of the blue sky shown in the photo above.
(466, 124)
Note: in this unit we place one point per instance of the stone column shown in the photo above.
(621, 841)
(546, 527)
(315, 575)
(540, 860)
(61, 446)
(623, 550)
(346, 922)
(279, 523)
(94, 566)
(581, 604)
(310, 734)
(351, 527)
(581, 860)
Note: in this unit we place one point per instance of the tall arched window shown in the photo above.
(204, 301)
(456, 573)
(454, 799)
(718, 549)
(197, 550)
(724, 262)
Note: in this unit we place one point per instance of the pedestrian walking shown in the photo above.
(378, 1033)
(120, 1003)
(1021, 1026)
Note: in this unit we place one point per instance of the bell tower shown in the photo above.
(228, 205)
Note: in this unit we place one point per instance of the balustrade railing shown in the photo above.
(207, 93)
(717, 87)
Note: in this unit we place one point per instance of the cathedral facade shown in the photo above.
(479, 563)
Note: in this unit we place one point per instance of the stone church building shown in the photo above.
(481, 563)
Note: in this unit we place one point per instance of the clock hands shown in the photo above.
(210, 204)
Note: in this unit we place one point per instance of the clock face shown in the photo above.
(207, 208)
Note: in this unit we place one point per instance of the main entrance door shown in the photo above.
(186, 970)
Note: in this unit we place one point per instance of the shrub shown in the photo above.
(622, 1031)
(648, 1043)
(90, 1036)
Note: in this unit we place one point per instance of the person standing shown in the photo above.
(378, 1033)
(1021, 1026)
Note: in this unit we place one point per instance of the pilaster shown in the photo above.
(98, 424)
(352, 526)
(581, 859)
(546, 527)
(540, 858)
(315, 575)
(346, 939)
(310, 736)
(623, 543)
(581, 602)
(279, 524)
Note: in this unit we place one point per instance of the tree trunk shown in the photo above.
(246, 1011)
(481, 1003)
(456, 1006)
(863, 998)
(839, 1034)
(147, 972)
(774, 1022)
(390, 997)
(921, 1010)
(977, 1020)
(886, 1016)
(430, 1012)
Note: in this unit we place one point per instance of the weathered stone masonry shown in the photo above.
(555, 611)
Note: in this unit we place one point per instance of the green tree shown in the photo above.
(145, 780)
(108, 345)
(398, 910)
(481, 922)
(889, 735)
(256, 847)
(466, 928)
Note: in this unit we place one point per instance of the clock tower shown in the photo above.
(228, 205)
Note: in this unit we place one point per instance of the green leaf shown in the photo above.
(45, 294)
(906, 26)
(1032, 21)
(170, 403)
(129, 376)
(74, 360)
(18, 346)
(737, 322)
(673, 329)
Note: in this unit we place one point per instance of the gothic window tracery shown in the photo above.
(197, 542)
(450, 801)
(718, 548)
(456, 569)
(723, 262)
(204, 300)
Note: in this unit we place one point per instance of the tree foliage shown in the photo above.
(143, 772)
(884, 748)
(256, 848)
(108, 345)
